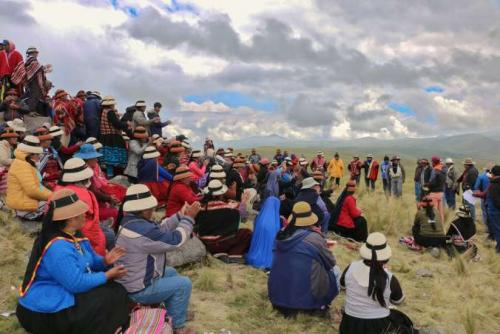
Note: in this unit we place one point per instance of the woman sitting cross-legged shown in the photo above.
(370, 288)
(67, 287)
(149, 280)
(154, 176)
(217, 225)
(302, 277)
(428, 228)
(347, 219)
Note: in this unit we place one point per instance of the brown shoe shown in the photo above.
(184, 330)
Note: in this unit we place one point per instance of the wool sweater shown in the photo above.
(63, 272)
(180, 194)
(348, 212)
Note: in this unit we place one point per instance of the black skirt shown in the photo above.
(101, 310)
(396, 323)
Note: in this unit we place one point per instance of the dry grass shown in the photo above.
(462, 297)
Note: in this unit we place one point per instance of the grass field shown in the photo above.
(461, 297)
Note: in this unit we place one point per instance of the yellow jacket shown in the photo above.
(336, 168)
(24, 190)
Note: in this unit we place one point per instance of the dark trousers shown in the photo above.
(387, 187)
(356, 178)
(236, 245)
(370, 184)
(451, 200)
(358, 233)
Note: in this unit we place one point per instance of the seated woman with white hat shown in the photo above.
(65, 152)
(76, 177)
(370, 289)
(67, 287)
(218, 223)
(310, 192)
(462, 230)
(25, 193)
(149, 280)
(154, 176)
(347, 219)
(302, 277)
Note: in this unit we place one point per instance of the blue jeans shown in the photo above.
(449, 194)
(173, 290)
(418, 191)
(494, 226)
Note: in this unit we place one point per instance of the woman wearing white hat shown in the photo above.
(25, 193)
(197, 165)
(149, 280)
(154, 176)
(76, 176)
(56, 145)
(218, 225)
(370, 289)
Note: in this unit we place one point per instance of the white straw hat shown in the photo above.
(376, 242)
(94, 142)
(108, 101)
(17, 124)
(76, 170)
(150, 153)
(449, 160)
(217, 172)
(55, 131)
(140, 103)
(215, 187)
(139, 198)
(196, 154)
(30, 144)
(308, 183)
(302, 162)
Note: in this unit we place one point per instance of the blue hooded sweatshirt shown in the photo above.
(302, 275)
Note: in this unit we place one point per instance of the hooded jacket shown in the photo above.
(24, 189)
(305, 264)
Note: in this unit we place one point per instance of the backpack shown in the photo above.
(129, 114)
(149, 320)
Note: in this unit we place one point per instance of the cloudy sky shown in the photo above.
(319, 69)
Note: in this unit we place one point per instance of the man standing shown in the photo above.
(436, 185)
(335, 171)
(4, 70)
(481, 187)
(139, 118)
(355, 169)
(156, 127)
(254, 157)
(450, 189)
(370, 167)
(397, 176)
(279, 157)
(384, 170)
(92, 114)
(319, 162)
(417, 178)
(468, 180)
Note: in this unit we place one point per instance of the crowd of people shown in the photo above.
(111, 197)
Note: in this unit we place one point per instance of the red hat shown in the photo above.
(435, 159)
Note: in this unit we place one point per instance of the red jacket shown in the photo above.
(92, 229)
(348, 212)
(179, 194)
(4, 64)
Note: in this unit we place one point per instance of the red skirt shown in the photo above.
(115, 190)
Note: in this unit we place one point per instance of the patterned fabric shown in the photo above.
(115, 156)
(149, 320)
(106, 127)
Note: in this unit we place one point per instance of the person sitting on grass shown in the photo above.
(428, 228)
(302, 277)
(25, 193)
(310, 193)
(149, 280)
(346, 219)
(462, 230)
(218, 225)
(370, 289)
(67, 287)
(180, 191)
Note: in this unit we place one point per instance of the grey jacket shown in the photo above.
(139, 118)
(146, 243)
(135, 151)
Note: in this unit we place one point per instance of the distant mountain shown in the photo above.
(479, 145)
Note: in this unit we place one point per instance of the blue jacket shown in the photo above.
(63, 272)
(156, 128)
(384, 168)
(149, 170)
(92, 115)
(301, 275)
(482, 182)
